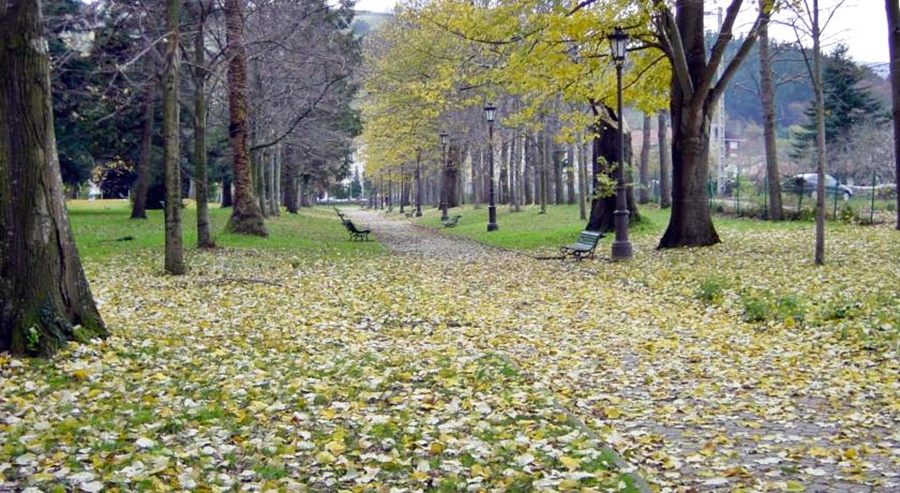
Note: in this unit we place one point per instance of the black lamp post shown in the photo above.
(621, 247)
(444, 198)
(490, 111)
(418, 182)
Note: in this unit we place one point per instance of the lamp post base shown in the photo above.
(621, 250)
(418, 212)
(492, 218)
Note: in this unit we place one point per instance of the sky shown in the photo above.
(860, 24)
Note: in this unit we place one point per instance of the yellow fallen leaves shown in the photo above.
(379, 372)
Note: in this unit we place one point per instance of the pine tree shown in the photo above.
(847, 105)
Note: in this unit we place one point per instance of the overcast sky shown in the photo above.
(860, 24)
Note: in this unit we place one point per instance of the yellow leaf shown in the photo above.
(795, 486)
(325, 457)
(336, 448)
(420, 475)
(435, 448)
(851, 453)
(570, 463)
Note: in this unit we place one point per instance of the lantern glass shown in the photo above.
(618, 41)
(490, 112)
(443, 139)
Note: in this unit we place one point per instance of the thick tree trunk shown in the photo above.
(174, 260)
(204, 239)
(515, 175)
(662, 139)
(45, 300)
(644, 194)
(139, 206)
(690, 223)
(503, 192)
(893, 19)
(557, 156)
(246, 218)
(605, 151)
(290, 181)
(767, 97)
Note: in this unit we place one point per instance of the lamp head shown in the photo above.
(618, 41)
(490, 111)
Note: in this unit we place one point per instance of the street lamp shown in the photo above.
(490, 112)
(621, 247)
(418, 182)
(444, 198)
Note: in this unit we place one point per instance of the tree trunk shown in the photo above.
(174, 260)
(767, 97)
(227, 197)
(276, 181)
(820, 136)
(690, 223)
(515, 176)
(45, 300)
(893, 19)
(644, 194)
(530, 147)
(504, 173)
(290, 181)
(606, 151)
(570, 175)
(543, 161)
(139, 205)
(450, 176)
(662, 139)
(557, 156)
(585, 169)
(246, 218)
(204, 239)
(477, 187)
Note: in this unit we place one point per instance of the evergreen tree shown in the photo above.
(847, 105)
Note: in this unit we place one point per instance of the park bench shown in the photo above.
(340, 214)
(584, 247)
(356, 233)
(451, 222)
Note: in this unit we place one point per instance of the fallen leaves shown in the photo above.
(419, 373)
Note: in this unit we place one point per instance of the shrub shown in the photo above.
(711, 289)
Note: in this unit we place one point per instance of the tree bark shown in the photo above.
(820, 136)
(246, 218)
(893, 19)
(174, 261)
(227, 196)
(570, 175)
(204, 239)
(45, 300)
(767, 97)
(690, 223)
(662, 138)
(529, 146)
(543, 159)
(644, 171)
(604, 152)
(139, 205)
(585, 170)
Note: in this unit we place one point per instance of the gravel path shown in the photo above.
(401, 236)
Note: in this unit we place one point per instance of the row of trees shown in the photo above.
(268, 82)
(546, 65)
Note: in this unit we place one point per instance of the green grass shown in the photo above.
(103, 228)
(530, 231)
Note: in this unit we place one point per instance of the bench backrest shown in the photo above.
(589, 238)
(351, 226)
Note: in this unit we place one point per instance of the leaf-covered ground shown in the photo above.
(734, 367)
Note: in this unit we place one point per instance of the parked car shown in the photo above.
(808, 184)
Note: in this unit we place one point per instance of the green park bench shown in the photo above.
(451, 222)
(584, 247)
(356, 233)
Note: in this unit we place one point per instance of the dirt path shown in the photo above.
(401, 236)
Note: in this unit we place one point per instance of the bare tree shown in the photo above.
(767, 97)
(174, 247)
(246, 217)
